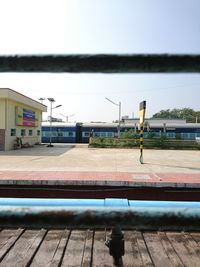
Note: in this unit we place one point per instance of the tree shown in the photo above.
(185, 113)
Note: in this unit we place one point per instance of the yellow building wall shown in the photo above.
(10, 123)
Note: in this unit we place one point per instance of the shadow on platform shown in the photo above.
(173, 166)
(40, 150)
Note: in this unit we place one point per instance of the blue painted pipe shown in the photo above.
(51, 202)
(61, 213)
(108, 202)
(164, 204)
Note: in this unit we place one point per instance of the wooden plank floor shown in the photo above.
(28, 247)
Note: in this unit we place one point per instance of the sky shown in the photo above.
(102, 27)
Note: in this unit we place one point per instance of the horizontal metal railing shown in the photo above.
(103, 63)
(62, 213)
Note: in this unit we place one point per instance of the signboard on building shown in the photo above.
(26, 117)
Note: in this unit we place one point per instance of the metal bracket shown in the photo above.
(115, 243)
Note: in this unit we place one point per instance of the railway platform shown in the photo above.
(76, 171)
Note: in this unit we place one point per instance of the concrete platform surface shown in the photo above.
(70, 163)
(81, 158)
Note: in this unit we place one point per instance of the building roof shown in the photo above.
(58, 124)
(16, 96)
(123, 125)
(156, 120)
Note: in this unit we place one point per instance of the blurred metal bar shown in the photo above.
(136, 63)
(99, 213)
(137, 218)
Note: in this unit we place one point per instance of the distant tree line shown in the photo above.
(187, 114)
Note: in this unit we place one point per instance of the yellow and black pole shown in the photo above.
(142, 117)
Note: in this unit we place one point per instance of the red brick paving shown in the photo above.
(160, 178)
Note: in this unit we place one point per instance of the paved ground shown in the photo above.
(83, 159)
(78, 162)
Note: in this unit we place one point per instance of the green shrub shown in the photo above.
(178, 136)
(127, 134)
(150, 135)
(162, 142)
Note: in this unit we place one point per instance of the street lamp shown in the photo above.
(119, 105)
(67, 117)
(41, 99)
(51, 100)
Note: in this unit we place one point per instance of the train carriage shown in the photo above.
(61, 132)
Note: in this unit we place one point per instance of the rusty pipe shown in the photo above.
(141, 215)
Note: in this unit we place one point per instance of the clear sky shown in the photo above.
(103, 26)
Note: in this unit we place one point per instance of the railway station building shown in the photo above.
(20, 120)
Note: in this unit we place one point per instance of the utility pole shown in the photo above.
(51, 100)
(119, 105)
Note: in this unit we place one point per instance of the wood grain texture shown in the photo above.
(86, 248)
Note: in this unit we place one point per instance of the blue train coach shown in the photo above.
(62, 132)
(59, 132)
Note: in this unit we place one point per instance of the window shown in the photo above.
(185, 135)
(158, 134)
(30, 132)
(192, 136)
(13, 132)
(145, 134)
(23, 132)
(54, 133)
(103, 134)
(97, 134)
(171, 135)
(60, 134)
(86, 134)
(45, 134)
(71, 134)
(38, 132)
(110, 134)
